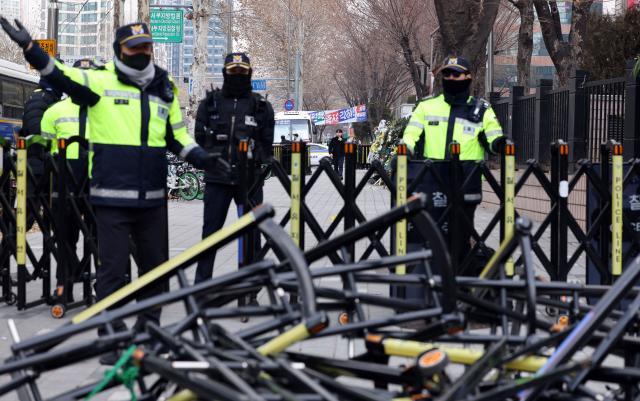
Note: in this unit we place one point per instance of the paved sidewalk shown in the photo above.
(185, 229)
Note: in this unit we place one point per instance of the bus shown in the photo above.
(290, 123)
(16, 84)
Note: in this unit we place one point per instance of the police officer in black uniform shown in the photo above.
(225, 117)
(39, 101)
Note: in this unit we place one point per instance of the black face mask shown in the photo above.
(456, 87)
(138, 61)
(236, 85)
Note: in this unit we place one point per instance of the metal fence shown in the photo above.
(605, 113)
(584, 114)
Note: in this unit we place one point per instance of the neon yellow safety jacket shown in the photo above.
(131, 129)
(64, 120)
(437, 124)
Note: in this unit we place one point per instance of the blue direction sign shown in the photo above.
(259, 84)
(288, 105)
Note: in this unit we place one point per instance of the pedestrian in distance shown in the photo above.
(336, 150)
(224, 118)
(135, 116)
(455, 115)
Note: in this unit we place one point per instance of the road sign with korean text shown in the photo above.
(166, 25)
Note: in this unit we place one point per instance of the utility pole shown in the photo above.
(489, 75)
(52, 20)
(229, 26)
(299, 87)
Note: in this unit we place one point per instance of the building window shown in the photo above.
(92, 17)
(87, 40)
(89, 29)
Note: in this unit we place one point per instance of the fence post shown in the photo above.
(349, 192)
(62, 231)
(509, 188)
(454, 232)
(577, 135)
(243, 184)
(297, 176)
(632, 114)
(21, 220)
(401, 199)
(604, 230)
(617, 178)
(542, 113)
(562, 152)
(516, 92)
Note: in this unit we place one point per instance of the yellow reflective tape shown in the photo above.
(296, 184)
(401, 199)
(616, 215)
(509, 205)
(280, 343)
(184, 395)
(491, 264)
(165, 268)
(464, 356)
(21, 208)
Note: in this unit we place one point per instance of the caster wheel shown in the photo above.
(11, 299)
(343, 318)
(58, 311)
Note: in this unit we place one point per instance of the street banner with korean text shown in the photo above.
(354, 114)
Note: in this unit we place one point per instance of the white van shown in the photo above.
(289, 123)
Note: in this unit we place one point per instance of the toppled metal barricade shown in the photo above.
(478, 338)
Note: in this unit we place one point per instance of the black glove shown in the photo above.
(497, 146)
(213, 162)
(20, 36)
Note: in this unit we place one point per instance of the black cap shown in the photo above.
(459, 64)
(237, 60)
(132, 35)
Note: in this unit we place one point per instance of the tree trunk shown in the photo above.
(201, 14)
(464, 29)
(117, 14)
(407, 52)
(566, 55)
(143, 12)
(525, 42)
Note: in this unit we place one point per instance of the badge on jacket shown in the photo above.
(250, 121)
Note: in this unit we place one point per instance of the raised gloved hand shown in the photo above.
(20, 35)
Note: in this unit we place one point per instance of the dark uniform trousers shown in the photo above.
(338, 164)
(217, 199)
(70, 228)
(148, 229)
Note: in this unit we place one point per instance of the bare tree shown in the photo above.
(525, 40)
(464, 29)
(202, 11)
(272, 31)
(405, 23)
(567, 55)
(376, 75)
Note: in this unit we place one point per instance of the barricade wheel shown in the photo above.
(11, 299)
(58, 311)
